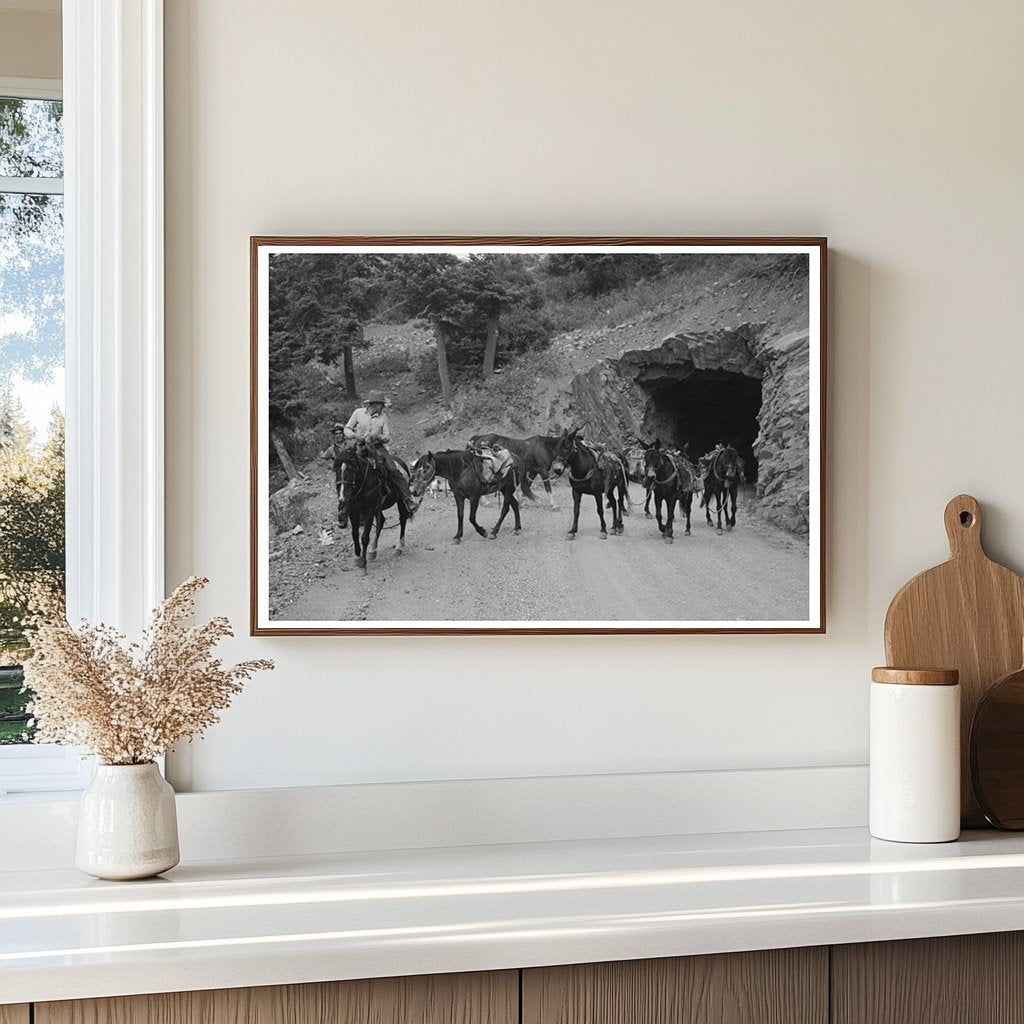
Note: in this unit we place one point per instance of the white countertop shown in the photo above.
(297, 919)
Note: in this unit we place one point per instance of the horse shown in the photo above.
(623, 458)
(722, 469)
(536, 452)
(670, 477)
(369, 492)
(600, 474)
(635, 470)
(464, 470)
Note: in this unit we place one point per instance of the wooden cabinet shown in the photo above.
(491, 998)
(778, 986)
(968, 979)
(962, 979)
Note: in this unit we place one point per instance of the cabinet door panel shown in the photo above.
(960, 979)
(483, 998)
(779, 986)
(14, 1014)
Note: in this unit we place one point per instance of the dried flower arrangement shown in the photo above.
(130, 703)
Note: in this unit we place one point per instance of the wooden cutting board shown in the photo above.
(967, 614)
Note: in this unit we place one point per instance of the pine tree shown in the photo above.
(32, 546)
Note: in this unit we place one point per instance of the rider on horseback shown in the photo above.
(369, 424)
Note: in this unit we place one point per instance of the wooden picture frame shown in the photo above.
(763, 304)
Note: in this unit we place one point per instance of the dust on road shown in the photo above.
(752, 573)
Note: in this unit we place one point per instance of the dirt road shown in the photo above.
(754, 572)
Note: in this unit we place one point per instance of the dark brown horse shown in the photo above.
(465, 472)
(635, 471)
(536, 452)
(722, 469)
(670, 477)
(369, 491)
(601, 474)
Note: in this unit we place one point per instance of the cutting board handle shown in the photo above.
(963, 526)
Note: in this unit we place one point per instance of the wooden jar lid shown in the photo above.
(916, 676)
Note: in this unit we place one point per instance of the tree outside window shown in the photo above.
(31, 386)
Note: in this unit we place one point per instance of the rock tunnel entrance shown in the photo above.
(745, 384)
(703, 407)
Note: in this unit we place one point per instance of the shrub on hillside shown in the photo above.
(508, 397)
(383, 362)
(424, 370)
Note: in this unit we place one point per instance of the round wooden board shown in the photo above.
(997, 752)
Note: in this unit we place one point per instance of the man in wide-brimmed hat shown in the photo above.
(369, 423)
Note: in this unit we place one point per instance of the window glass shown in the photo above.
(31, 138)
(31, 388)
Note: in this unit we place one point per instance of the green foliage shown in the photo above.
(31, 144)
(14, 720)
(31, 522)
(31, 546)
(32, 345)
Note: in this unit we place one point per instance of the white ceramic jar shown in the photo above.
(127, 823)
(915, 755)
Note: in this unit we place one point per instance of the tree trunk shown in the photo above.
(286, 461)
(491, 347)
(350, 370)
(441, 337)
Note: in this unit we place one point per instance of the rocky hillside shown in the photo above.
(618, 400)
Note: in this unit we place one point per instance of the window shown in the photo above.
(32, 531)
(112, 212)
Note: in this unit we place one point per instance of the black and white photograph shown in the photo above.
(537, 435)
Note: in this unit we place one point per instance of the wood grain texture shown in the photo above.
(915, 676)
(778, 986)
(962, 979)
(481, 998)
(997, 752)
(967, 614)
(14, 1014)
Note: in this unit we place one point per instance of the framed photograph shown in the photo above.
(537, 435)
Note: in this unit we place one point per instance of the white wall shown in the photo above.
(895, 129)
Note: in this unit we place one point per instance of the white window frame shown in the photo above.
(114, 326)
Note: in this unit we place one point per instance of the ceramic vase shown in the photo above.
(127, 824)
